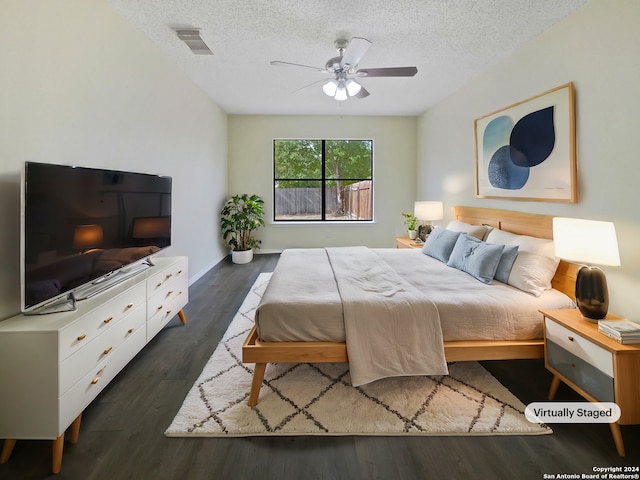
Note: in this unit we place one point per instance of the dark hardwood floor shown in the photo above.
(122, 430)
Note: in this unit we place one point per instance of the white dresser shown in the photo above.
(52, 366)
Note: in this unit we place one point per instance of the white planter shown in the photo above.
(241, 257)
(413, 234)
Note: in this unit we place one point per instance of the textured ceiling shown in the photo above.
(449, 41)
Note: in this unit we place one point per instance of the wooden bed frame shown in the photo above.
(535, 225)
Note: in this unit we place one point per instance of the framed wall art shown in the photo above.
(527, 151)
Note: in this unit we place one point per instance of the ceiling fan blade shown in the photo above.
(387, 72)
(355, 51)
(278, 63)
(362, 93)
(309, 85)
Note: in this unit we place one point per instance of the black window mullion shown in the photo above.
(323, 185)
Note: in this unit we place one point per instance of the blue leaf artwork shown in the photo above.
(515, 149)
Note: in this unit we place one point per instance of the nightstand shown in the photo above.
(595, 366)
(406, 242)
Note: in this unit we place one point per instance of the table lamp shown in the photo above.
(592, 242)
(427, 211)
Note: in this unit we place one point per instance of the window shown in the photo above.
(323, 180)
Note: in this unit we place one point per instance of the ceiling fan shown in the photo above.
(344, 67)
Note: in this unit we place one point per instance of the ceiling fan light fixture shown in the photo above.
(330, 88)
(353, 87)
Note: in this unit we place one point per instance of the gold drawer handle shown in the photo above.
(130, 330)
(160, 307)
(130, 305)
(107, 350)
(107, 320)
(96, 379)
(82, 337)
(168, 275)
(170, 292)
(570, 339)
(179, 272)
(159, 285)
(168, 312)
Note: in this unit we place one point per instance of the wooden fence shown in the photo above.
(356, 202)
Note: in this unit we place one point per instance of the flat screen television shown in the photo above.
(82, 228)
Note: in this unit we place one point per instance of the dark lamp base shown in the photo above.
(592, 295)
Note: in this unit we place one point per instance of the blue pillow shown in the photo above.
(505, 265)
(476, 258)
(440, 243)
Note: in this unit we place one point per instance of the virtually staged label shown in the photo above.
(572, 412)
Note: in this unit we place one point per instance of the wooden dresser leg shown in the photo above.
(183, 318)
(7, 449)
(555, 383)
(617, 438)
(58, 447)
(75, 429)
(256, 383)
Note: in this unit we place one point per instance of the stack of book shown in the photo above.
(623, 331)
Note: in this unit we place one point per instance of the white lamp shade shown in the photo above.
(585, 241)
(428, 211)
(330, 87)
(341, 92)
(353, 87)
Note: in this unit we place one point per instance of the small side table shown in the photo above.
(406, 242)
(592, 364)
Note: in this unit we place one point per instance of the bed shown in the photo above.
(312, 344)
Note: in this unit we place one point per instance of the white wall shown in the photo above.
(80, 85)
(394, 142)
(596, 48)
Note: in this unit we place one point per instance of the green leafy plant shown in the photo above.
(241, 215)
(410, 220)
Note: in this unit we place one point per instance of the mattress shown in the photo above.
(302, 301)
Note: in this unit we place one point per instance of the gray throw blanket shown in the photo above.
(392, 329)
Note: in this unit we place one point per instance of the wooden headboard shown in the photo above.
(532, 224)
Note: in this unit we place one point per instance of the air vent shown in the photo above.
(194, 41)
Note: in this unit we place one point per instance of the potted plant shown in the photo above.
(239, 217)
(411, 221)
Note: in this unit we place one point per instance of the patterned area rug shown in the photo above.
(318, 399)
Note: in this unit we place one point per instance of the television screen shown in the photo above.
(82, 224)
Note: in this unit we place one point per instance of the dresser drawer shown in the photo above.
(177, 288)
(579, 346)
(85, 359)
(163, 307)
(89, 326)
(83, 392)
(175, 272)
(583, 374)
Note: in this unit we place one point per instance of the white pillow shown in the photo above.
(535, 264)
(477, 231)
(540, 246)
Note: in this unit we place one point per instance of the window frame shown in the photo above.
(323, 181)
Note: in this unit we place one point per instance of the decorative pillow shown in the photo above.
(440, 243)
(505, 265)
(476, 258)
(477, 231)
(535, 264)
